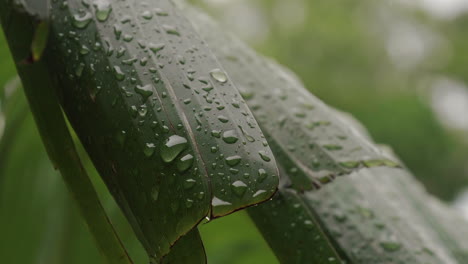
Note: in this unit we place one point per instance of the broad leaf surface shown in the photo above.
(377, 213)
(163, 124)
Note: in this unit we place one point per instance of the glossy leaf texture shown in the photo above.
(165, 127)
(378, 213)
(313, 144)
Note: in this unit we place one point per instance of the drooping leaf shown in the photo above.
(376, 214)
(312, 143)
(54, 132)
(165, 127)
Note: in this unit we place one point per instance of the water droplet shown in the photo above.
(117, 31)
(155, 48)
(173, 147)
(188, 203)
(81, 21)
(262, 174)
(121, 52)
(339, 216)
(147, 15)
(103, 9)
(160, 12)
(239, 188)
(390, 246)
(233, 160)
(119, 75)
(155, 193)
(127, 38)
(201, 195)
(171, 30)
(142, 110)
(120, 137)
(145, 91)
(373, 163)
(219, 75)
(149, 149)
(350, 164)
(258, 193)
(189, 183)
(216, 133)
(230, 137)
(79, 70)
(84, 50)
(309, 224)
(185, 163)
(218, 202)
(332, 147)
(223, 119)
(264, 155)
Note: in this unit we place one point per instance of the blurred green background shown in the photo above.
(398, 66)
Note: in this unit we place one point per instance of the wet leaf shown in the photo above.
(375, 213)
(124, 77)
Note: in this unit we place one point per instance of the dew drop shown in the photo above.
(81, 21)
(230, 137)
(239, 188)
(160, 12)
(103, 9)
(233, 160)
(147, 15)
(219, 75)
(264, 156)
(145, 91)
(155, 193)
(390, 246)
(262, 174)
(155, 48)
(185, 163)
(188, 203)
(218, 202)
(171, 30)
(258, 193)
(332, 147)
(308, 224)
(173, 147)
(350, 164)
(119, 75)
(149, 149)
(189, 183)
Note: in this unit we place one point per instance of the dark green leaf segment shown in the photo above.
(167, 130)
(26, 37)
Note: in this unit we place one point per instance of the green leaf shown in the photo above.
(61, 150)
(378, 213)
(164, 126)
